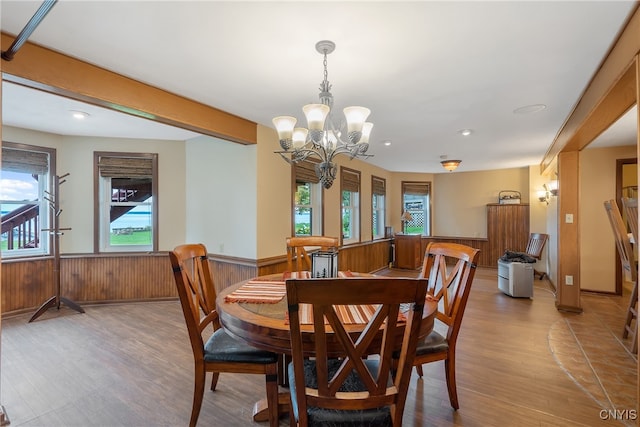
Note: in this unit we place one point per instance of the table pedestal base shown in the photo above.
(261, 409)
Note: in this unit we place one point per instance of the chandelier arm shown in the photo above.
(283, 155)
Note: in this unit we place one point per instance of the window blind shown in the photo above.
(23, 161)
(125, 167)
(378, 186)
(305, 171)
(415, 188)
(350, 180)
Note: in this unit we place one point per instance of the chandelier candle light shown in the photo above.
(322, 138)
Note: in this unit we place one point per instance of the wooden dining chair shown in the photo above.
(450, 268)
(629, 269)
(630, 207)
(332, 380)
(221, 352)
(535, 245)
(298, 258)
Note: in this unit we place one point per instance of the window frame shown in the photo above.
(347, 179)
(45, 212)
(98, 183)
(428, 208)
(378, 190)
(315, 207)
(304, 172)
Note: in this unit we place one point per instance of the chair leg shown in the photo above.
(631, 322)
(450, 371)
(214, 380)
(292, 417)
(540, 274)
(419, 370)
(198, 392)
(272, 395)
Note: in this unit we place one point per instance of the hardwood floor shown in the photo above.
(520, 362)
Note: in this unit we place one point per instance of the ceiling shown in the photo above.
(426, 69)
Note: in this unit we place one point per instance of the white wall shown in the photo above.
(221, 188)
(542, 217)
(598, 259)
(74, 155)
(460, 199)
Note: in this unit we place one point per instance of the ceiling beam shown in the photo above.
(44, 69)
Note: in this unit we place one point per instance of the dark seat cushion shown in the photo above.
(339, 418)
(432, 343)
(221, 347)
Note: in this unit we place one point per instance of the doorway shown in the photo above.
(626, 186)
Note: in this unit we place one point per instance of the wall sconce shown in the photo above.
(550, 190)
(544, 196)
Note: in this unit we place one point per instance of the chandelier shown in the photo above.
(322, 138)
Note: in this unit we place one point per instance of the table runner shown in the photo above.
(269, 291)
(258, 292)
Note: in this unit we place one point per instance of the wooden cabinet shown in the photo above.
(507, 228)
(408, 251)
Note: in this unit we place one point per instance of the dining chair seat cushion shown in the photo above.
(222, 347)
(432, 343)
(339, 418)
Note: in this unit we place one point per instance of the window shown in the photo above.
(307, 196)
(416, 200)
(127, 202)
(350, 187)
(27, 177)
(378, 195)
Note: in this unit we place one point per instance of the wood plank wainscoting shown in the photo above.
(108, 278)
(484, 260)
(507, 228)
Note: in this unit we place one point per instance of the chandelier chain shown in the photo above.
(326, 73)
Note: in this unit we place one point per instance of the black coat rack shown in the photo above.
(56, 231)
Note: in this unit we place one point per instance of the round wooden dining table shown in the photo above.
(264, 325)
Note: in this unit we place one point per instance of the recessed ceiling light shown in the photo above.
(386, 142)
(529, 109)
(80, 115)
(465, 132)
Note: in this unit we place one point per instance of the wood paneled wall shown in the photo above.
(26, 284)
(507, 228)
(115, 278)
(484, 260)
(365, 257)
(91, 278)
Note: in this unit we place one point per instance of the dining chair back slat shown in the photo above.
(298, 258)
(630, 207)
(351, 388)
